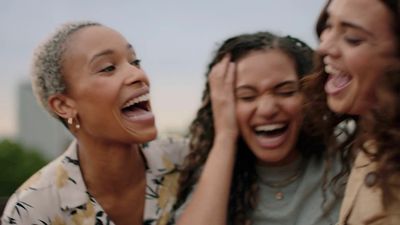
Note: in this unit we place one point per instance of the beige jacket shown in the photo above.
(362, 203)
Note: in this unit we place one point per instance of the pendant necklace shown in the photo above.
(279, 185)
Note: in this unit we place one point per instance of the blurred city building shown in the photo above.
(36, 128)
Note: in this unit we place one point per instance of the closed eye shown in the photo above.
(286, 92)
(287, 88)
(108, 69)
(136, 62)
(246, 93)
(246, 98)
(353, 41)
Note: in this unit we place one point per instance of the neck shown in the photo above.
(281, 175)
(110, 168)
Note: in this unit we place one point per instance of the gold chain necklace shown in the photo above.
(279, 194)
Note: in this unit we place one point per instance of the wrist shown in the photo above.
(226, 137)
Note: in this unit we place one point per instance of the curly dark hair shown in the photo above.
(382, 125)
(374, 124)
(244, 188)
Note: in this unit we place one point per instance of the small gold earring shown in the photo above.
(70, 121)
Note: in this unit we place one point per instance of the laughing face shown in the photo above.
(358, 44)
(109, 90)
(269, 105)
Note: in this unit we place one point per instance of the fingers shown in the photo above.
(222, 77)
(218, 71)
(230, 76)
(222, 83)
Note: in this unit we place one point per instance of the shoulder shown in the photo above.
(164, 157)
(38, 200)
(170, 149)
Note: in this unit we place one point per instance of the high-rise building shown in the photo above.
(36, 128)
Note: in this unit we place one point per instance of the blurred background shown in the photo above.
(174, 39)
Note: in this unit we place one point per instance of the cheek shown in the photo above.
(243, 114)
(101, 91)
(294, 108)
(368, 77)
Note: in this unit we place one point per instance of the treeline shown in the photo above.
(17, 163)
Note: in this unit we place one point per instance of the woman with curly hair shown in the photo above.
(359, 44)
(251, 159)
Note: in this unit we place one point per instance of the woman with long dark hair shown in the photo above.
(359, 44)
(251, 159)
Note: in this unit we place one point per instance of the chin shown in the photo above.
(151, 135)
(143, 136)
(338, 107)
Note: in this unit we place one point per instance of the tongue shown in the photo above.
(136, 113)
(336, 83)
(272, 140)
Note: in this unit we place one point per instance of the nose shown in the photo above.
(268, 107)
(135, 75)
(327, 44)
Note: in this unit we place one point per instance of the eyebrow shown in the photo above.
(109, 52)
(355, 26)
(289, 82)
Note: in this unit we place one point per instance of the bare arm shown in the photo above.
(209, 203)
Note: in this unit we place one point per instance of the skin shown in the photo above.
(260, 88)
(358, 45)
(107, 64)
(209, 202)
(267, 94)
(102, 74)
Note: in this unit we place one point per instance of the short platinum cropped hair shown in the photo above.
(47, 77)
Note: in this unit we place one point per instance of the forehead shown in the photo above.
(89, 41)
(265, 66)
(368, 13)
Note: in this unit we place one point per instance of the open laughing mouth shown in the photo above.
(272, 136)
(337, 80)
(271, 130)
(138, 107)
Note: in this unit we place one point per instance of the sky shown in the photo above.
(174, 39)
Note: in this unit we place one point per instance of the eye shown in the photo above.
(109, 68)
(287, 89)
(136, 63)
(327, 26)
(246, 94)
(353, 41)
(246, 97)
(286, 93)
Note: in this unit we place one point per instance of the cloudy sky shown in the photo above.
(174, 39)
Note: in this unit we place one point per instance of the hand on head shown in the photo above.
(222, 81)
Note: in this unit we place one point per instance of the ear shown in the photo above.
(62, 105)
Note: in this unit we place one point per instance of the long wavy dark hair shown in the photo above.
(382, 125)
(244, 188)
(373, 125)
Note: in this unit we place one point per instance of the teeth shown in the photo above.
(341, 77)
(270, 127)
(142, 98)
(330, 70)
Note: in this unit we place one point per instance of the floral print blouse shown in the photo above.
(57, 193)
